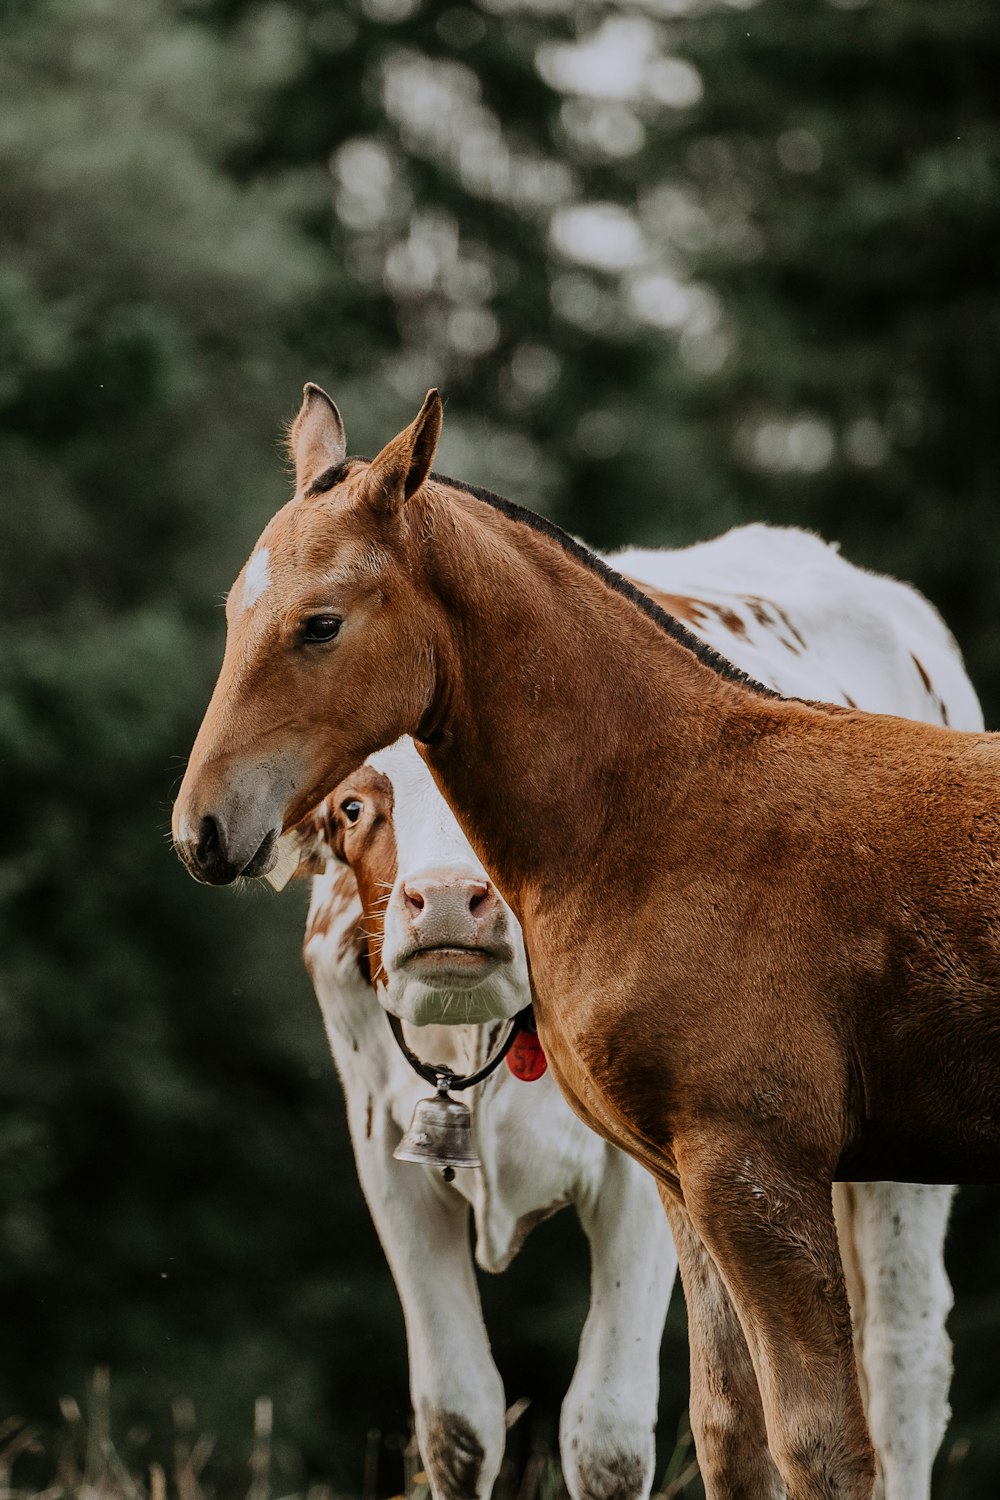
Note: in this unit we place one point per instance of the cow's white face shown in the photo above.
(445, 947)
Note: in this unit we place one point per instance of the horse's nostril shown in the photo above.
(209, 843)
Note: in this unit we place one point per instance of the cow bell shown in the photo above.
(440, 1135)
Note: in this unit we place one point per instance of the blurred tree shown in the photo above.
(166, 1103)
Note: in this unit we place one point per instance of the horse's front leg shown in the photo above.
(892, 1241)
(606, 1431)
(727, 1418)
(457, 1394)
(769, 1228)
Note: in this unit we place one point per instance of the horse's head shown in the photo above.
(444, 946)
(328, 649)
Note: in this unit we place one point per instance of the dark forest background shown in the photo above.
(675, 265)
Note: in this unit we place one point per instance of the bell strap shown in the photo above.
(443, 1078)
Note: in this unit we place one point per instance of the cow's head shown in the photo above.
(444, 946)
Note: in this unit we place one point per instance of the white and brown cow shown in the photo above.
(403, 898)
(446, 928)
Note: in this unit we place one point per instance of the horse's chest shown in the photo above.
(602, 1089)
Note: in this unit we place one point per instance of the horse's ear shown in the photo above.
(403, 465)
(316, 441)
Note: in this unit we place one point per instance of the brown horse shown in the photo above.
(764, 934)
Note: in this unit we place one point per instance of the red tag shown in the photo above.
(526, 1060)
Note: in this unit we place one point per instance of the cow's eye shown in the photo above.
(351, 809)
(319, 628)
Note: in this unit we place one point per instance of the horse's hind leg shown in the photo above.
(727, 1419)
(770, 1231)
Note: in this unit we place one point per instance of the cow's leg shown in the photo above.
(897, 1232)
(606, 1431)
(727, 1419)
(769, 1228)
(458, 1397)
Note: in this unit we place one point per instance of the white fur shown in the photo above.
(257, 577)
(428, 837)
(861, 634)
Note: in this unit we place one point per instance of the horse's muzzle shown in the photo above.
(209, 860)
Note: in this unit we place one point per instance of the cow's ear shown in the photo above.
(316, 439)
(297, 858)
(405, 462)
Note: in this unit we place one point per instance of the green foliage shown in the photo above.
(675, 267)
(166, 1100)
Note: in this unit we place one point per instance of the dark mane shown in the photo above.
(582, 554)
(614, 580)
(330, 478)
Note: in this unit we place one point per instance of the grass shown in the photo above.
(86, 1462)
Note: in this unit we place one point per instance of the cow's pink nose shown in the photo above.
(429, 897)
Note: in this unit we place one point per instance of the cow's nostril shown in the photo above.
(413, 898)
(209, 843)
(480, 899)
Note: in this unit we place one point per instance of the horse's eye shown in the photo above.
(320, 628)
(351, 809)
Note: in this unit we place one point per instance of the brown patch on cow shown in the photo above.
(327, 843)
(930, 690)
(368, 1118)
(789, 626)
(321, 919)
(453, 1455)
(730, 620)
(694, 611)
(315, 840)
(319, 923)
(343, 891)
(760, 609)
(923, 674)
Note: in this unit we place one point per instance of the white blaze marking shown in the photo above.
(258, 577)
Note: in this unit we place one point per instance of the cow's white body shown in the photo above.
(536, 1157)
(787, 609)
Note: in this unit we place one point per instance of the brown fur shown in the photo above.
(354, 942)
(764, 935)
(368, 847)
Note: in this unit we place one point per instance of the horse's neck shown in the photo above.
(567, 712)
